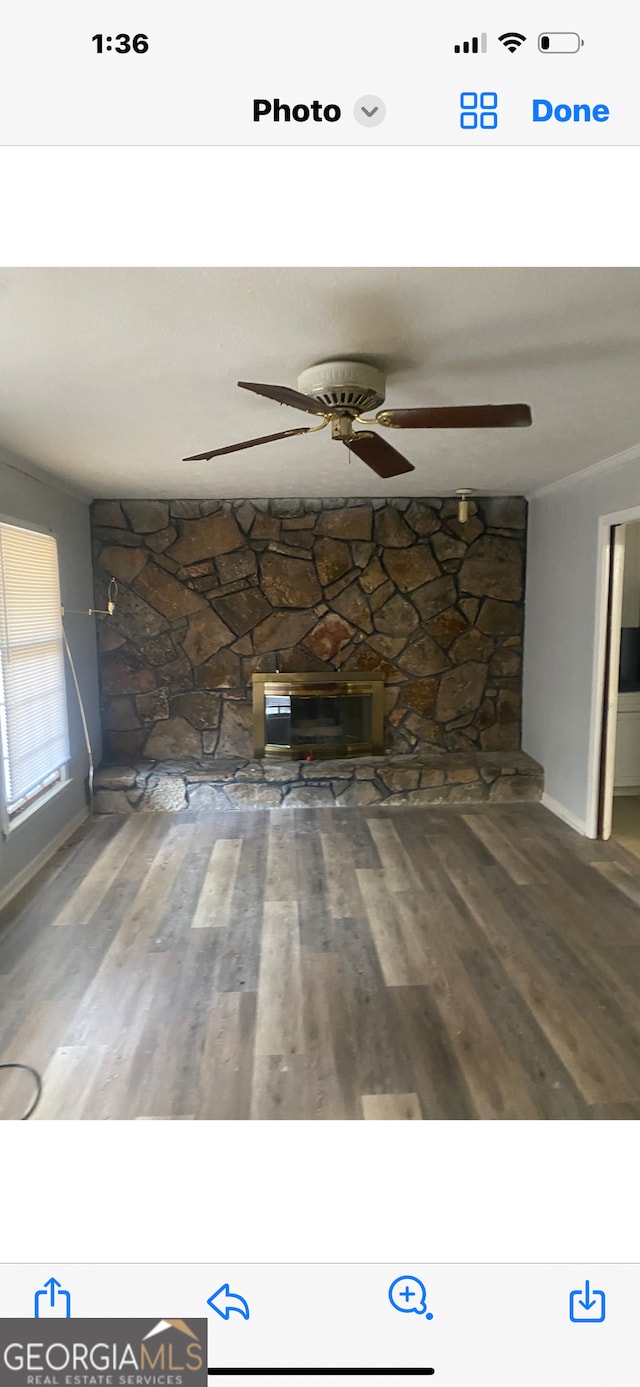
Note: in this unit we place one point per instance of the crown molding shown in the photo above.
(42, 475)
(595, 470)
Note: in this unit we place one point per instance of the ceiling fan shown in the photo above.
(340, 391)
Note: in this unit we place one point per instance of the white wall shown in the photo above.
(32, 501)
(560, 628)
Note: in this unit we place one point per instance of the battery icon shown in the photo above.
(560, 43)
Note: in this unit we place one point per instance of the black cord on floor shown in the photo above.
(38, 1083)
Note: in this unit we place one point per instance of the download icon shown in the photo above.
(587, 1306)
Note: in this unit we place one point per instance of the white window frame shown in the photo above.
(46, 792)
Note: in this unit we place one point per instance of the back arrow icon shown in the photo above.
(224, 1301)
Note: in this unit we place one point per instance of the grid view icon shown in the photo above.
(478, 110)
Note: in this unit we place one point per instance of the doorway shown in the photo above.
(619, 811)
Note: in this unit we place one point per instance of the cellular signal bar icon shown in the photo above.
(474, 45)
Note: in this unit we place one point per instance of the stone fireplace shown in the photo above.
(212, 593)
(323, 715)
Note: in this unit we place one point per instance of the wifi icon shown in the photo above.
(512, 41)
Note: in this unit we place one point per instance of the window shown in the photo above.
(34, 735)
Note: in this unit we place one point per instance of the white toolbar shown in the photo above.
(496, 1324)
(289, 74)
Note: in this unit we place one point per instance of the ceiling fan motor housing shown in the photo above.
(352, 387)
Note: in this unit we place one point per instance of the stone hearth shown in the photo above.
(423, 778)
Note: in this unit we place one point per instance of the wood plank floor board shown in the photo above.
(16, 1094)
(497, 1087)
(593, 983)
(309, 859)
(556, 1095)
(281, 878)
(217, 885)
(167, 1058)
(314, 924)
(138, 1058)
(585, 891)
(381, 1058)
(357, 831)
(456, 830)
(160, 1058)
(342, 886)
(432, 819)
(24, 918)
(438, 1075)
(281, 1089)
(403, 951)
(430, 964)
(86, 955)
(25, 903)
(614, 1112)
(328, 1039)
(576, 951)
(170, 1081)
(454, 850)
(225, 1071)
(403, 1107)
(519, 866)
(623, 876)
(562, 1020)
(68, 1082)
(279, 1020)
(33, 1043)
(238, 946)
(560, 851)
(177, 912)
(580, 955)
(311, 894)
(117, 850)
(399, 872)
(144, 1073)
(446, 912)
(112, 1001)
(191, 1002)
(58, 969)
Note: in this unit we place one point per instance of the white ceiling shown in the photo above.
(108, 377)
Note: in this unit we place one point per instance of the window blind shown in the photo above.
(34, 732)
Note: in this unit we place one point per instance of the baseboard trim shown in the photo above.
(25, 876)
(567, 817)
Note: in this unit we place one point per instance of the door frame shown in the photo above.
(606, 523)
(609, 734)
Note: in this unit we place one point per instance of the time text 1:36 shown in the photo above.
(121, 43)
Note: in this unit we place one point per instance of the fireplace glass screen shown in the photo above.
(331, 723)
(318, 715)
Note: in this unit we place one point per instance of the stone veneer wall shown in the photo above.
(211, 591)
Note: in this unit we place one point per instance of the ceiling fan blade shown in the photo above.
(458, 417)
(250, 443)
(285, 396)
(379, 455)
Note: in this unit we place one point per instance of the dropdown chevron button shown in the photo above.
(369, 110)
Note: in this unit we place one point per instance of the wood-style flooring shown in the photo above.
(399, 964)
(626, 822)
